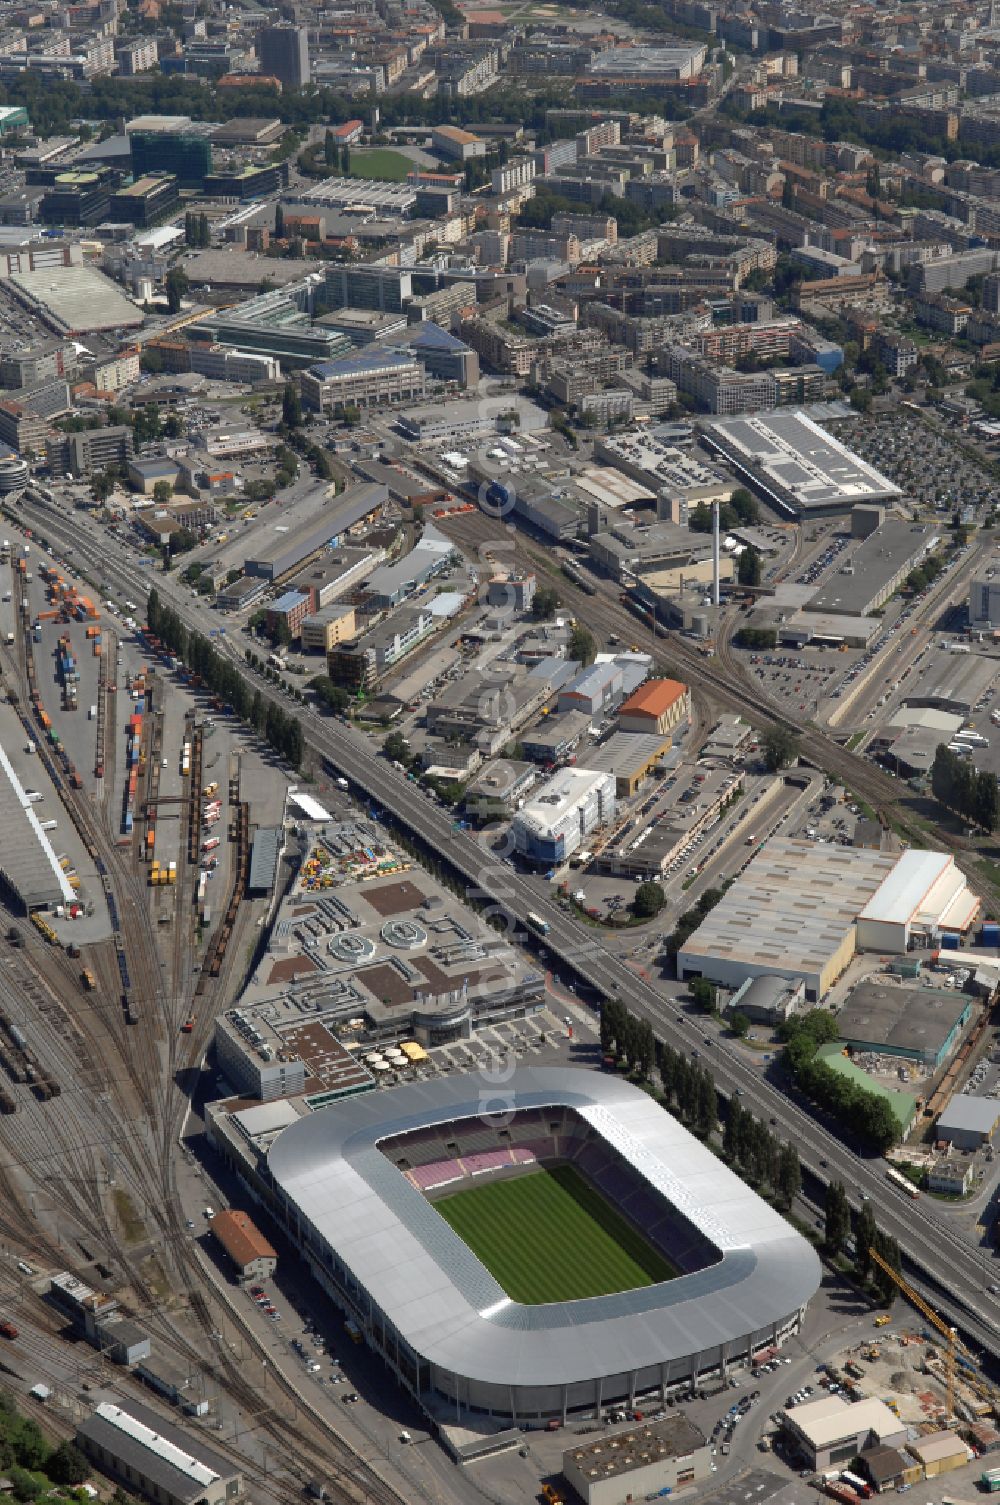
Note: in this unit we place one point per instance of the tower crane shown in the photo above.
(949, 1333)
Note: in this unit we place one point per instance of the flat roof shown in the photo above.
(955, 679)
(26, 857)
(901, 895)
(800, 464)
(791, 908)
(830, 1419)
(78, 299)
(451, 1310)
(897, 544)
(881, 1014)
(622, 1452)
(976, 1114)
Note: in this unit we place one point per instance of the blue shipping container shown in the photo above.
(949, 942)
(128, 823)
(991, 935)
(140, 706)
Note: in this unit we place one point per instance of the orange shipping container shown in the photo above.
(97, 650)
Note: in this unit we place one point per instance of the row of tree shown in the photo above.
(689, 921)
(281, 732)
(689, 1092)
(959, 787)
(853, 1106)
(868, 1236)
(196, 231)
(759, 1156)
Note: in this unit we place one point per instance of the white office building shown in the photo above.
(553, 824)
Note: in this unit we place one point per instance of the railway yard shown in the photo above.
(107, 1012)
(161, 970)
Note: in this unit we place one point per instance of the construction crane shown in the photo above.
(950, 1334)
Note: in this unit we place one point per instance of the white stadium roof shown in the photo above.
(447, 1306)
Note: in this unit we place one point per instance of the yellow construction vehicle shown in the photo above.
(952, 1342)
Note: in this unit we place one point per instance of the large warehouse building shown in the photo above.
(796, 465)
(282, 550)
(804, 910)
(876, 569)
(353, 1184)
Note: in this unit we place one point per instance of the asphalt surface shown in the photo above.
(958, 1273)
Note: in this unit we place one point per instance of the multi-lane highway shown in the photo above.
(959, 1273)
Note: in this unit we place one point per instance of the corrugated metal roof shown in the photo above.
(264, 859)
(153, 1442)
(451, 1310)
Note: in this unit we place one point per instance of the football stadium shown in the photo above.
(555, 1244)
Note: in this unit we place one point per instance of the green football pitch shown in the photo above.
(549, 1236)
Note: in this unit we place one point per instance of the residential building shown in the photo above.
(139, 55)
(22, 429)
(284, 52)
(321, 631)
(90, 450)
(517, 173)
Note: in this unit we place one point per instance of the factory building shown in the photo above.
(654, 1459)
(286, 550)
(968, 1122)
(659, 705)
(152, 1457)
(829, 1432)
(925, 895)
(569, 805)
(594, 691)
(876, 569)
(913, 1023)
(631, 757)
(800, 910)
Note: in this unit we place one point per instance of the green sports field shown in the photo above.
(549, 1236)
